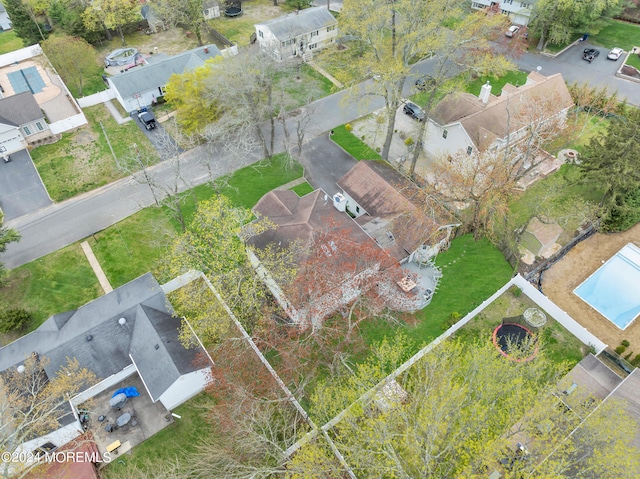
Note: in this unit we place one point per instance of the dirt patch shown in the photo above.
(85, 137)
(568, 273)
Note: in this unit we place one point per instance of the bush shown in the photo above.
(408, 141)
(636, 361)
(516, 292)
(621, 349)
(14, 320)
(627, 356)
(348, 127)
(625, 343)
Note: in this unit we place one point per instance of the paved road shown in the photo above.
(61, 224)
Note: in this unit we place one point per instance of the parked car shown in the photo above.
(413, 110)
(147, 119)
(615, 53)
(425, 82)
(513, 29)
(590, 54)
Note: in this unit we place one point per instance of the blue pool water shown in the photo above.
(614, 289)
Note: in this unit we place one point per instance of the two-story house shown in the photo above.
(519, 12)
(465, 123)
(297, 34)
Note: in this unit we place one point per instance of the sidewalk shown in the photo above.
(115, 113)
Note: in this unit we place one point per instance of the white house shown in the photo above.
(131, 330)
(519, 12)
(466, 123)
(21, 122)
(210, 9)
(297, 34)
(141, 86)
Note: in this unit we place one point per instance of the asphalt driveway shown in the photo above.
(572, 58)
(325, 163)
(21, 190)
(159, 138)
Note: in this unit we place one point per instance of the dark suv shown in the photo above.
(590, 54)
(413, 110)
(147, 120)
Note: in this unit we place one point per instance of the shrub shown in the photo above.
(453, 319)
(14, 320)
(348, 127)
(636, 361)
(621, 349)
(517, 292)
(408, 141)
(627, 356)
(625, 343)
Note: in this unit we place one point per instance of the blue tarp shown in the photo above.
(130, 392)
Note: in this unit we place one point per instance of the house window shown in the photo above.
(524, 5)
(357, 209)
(313, 45)
(469, 150)
(331, 28)
(206, 12)
(314, 34)
(39, 125)
(477, 5)
(444, 134)
(508, 2)
(26, 130)
(288, 42)
(504, 12)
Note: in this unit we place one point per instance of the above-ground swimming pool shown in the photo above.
(614, 289)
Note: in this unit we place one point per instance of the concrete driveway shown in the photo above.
(21, 189)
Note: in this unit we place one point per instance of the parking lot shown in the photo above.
(21, 190)
(600, 64)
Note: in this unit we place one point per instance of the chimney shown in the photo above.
(485, 93)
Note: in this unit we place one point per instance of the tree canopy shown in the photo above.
(74, 59)
(612, 161)
(7, 235)
(557, 21)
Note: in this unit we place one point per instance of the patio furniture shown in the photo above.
(123, 420)
(407, 284)
(109, 428)
(118, 401)
(101, 418)
(113, 446)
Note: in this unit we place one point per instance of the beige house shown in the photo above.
(465, 123)
(21, 123)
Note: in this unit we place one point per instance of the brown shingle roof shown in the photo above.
(297, 219)
(486, 122)
(396, 205)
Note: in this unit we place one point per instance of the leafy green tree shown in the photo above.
(114, 14)
(25, 22)
(298, 4)
(13, 320)
(612, 162)
(557, 21)
(74, 59)
(7, 235)
(392, 35)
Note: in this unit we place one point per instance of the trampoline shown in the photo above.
(513, 334)
(27, 79)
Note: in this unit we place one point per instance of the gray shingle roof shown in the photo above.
(20, 109)
(290, 26)
(149, 322)
(157, 74)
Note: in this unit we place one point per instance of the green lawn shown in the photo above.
(55, 283)
(133, 246)
(556, 342)
(311, 86)
(9, 42)
(353, 145)
(634, 61)
(515, 77)
(303, 189)
(472, 271)
(82, 161)
(618, 34)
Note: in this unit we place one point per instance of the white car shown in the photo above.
(513, 29)
(615, 53)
